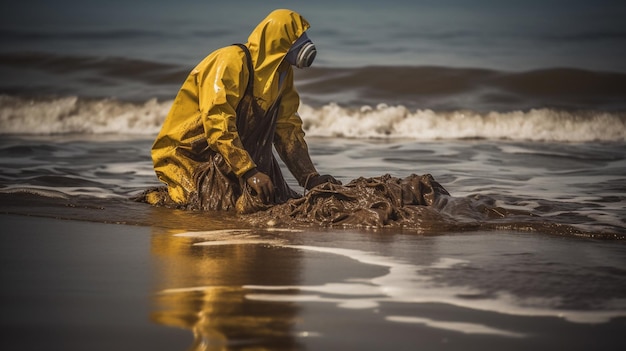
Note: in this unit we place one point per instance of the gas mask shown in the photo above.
(302, 52)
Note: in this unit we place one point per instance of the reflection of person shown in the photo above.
(216, 142)
(201, 289)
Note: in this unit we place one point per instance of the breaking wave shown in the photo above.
(385, 121)
(74, 115)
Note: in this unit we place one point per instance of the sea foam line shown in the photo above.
(385, 121)
(71, 114)
(405, 284)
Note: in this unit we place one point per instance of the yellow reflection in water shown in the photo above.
(200, 289)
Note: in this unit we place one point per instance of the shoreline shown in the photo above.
(69, 284)
(125, 211)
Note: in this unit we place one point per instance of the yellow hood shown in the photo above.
(269, 43)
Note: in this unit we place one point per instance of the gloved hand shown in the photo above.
(262, 185)
(317, 179)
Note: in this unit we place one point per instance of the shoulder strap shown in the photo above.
(249, 88)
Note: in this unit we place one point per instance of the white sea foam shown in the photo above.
(60, 192)
(408, 283)
(235, 236)
(44, 192)
(386, 121)
(73, 115)
(463, 327)
(220, 233)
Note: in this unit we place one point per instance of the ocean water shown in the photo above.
(520, 105)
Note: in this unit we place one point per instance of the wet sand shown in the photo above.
(72, 285)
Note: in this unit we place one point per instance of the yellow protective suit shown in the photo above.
(200, 146)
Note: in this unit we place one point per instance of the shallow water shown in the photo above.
(579, 185)
(73, 283)
(517, 291)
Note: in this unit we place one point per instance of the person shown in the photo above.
(215, 147)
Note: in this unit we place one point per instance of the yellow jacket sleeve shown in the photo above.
(220, 90)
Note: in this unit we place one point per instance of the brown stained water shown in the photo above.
(461, 279)
(569, 189)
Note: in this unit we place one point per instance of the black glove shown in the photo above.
(262, 185)
(317, 179)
